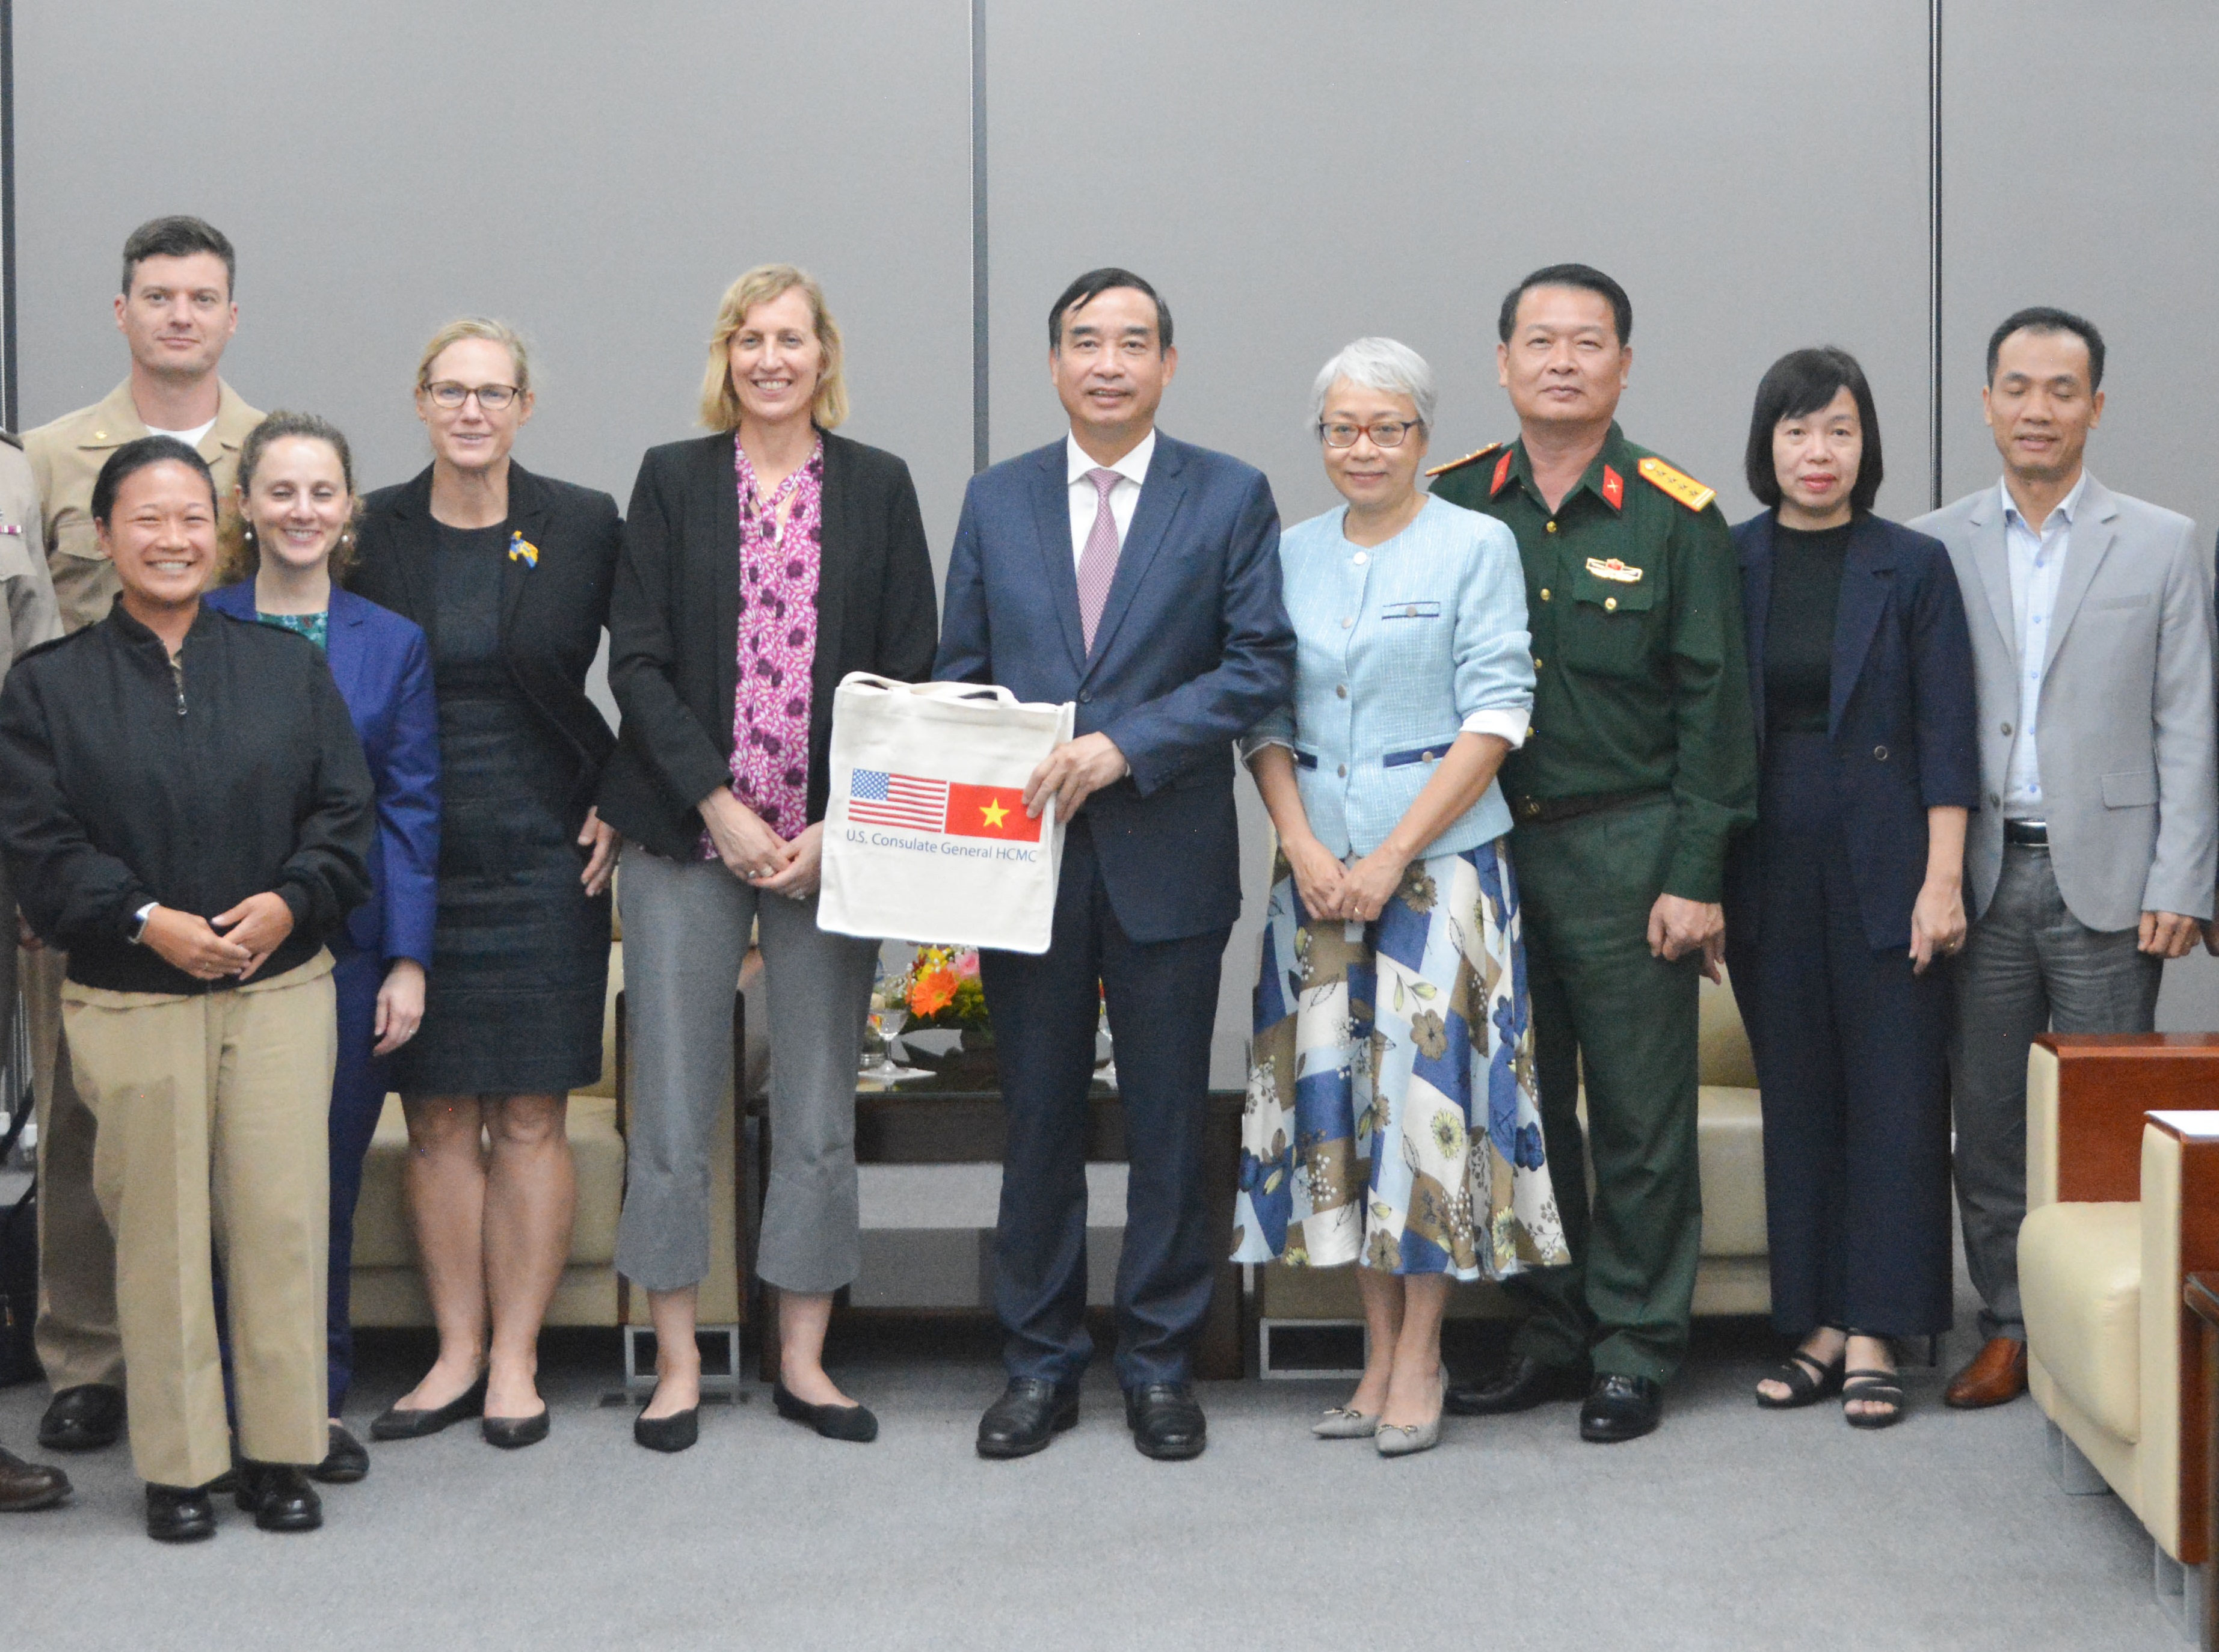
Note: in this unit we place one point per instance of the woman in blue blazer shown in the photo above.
(1392, 1120)
(1844, 903)
(292, 535)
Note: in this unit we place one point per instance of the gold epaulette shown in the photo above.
(1676, 484)
(1458, 465)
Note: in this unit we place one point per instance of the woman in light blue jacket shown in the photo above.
(1391, 1118)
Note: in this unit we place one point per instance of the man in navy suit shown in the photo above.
(1139, 577)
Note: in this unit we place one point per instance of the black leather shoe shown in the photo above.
(346, 1461)
(853, 1423)
(514, 1433)
(179, 1513)
(279, 1497)
(672, 1433)
(399, 1424)
(1519, 1384)
(83, 1418)
(1167, 1421)
(1031, 1412)
(27, 1486)
(1620, 1408)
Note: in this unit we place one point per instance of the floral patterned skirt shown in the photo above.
(1391, 1114)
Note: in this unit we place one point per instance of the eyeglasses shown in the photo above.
(446, 392)
(1387, 432)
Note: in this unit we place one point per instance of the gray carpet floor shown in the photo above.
(1730, 1528)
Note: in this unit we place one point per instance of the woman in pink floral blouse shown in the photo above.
(762, 563)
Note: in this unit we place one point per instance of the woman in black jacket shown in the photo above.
(760, 565)
(185, 810)
(508, 573)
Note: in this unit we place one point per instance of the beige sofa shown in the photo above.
(2123, 1203)
(1734, 1275)
(389, 1291)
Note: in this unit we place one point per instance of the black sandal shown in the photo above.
(1806, 1381)
(1873, 1387)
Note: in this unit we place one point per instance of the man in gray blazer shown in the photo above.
(2093, 861)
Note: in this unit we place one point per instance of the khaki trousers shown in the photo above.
(213, 1113)
(75, 1333)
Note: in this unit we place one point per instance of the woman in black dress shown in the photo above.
(509, 576)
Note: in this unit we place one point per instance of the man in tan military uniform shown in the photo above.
(177, 313)
(29, 618)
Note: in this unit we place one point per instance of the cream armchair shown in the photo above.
(2123, 1202)
(1732, 1276)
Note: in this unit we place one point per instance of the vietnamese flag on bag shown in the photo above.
(990, 811)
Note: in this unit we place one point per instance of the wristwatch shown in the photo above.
(137, 933)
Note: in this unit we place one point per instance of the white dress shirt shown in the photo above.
(1124, 494)
(2037, 565)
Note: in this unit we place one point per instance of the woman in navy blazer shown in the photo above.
(293, 533)
(1844, 903)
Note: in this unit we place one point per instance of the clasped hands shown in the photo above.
(234, 943)
(1354, 891)
(758, 856)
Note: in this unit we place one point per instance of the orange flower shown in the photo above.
(932, 992)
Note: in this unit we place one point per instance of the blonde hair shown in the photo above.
(241, 556)
(477, 327)
(720, 405)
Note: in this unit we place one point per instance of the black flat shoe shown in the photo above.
(1620, 1408)
(514, 1433)
(179, 1513)
(345, 1461)
(672, 1433)
(1519, 1384)
(851, 1423)
(1167, 1421)
(1031, 1412)
(399, 1424)
(83, 1418)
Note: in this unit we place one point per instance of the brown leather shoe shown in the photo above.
(27, 1486)
(1995, 1377)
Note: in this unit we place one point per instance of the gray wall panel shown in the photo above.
(1295, 174)
(2078, 162)
(597, 175)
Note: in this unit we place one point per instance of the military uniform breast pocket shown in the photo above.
(1607, 631)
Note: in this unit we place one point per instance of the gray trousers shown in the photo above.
(685, 932)
(2029, 967)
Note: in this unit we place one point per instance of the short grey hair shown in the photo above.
(1381, 365)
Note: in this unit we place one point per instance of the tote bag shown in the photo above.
(926, 836)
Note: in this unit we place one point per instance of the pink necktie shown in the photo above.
(1097, 563)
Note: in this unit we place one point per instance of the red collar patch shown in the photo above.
(1501, 474)
(1613, 487)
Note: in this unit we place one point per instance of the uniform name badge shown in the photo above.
(1613, 568)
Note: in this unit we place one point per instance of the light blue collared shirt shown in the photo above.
(2037, 566)
(1399, 647)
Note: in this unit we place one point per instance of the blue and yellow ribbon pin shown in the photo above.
(521, 549)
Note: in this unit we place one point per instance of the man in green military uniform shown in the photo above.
(1641, 764)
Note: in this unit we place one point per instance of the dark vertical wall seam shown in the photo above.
(1934, 227)
(9, 401)
(980, 450)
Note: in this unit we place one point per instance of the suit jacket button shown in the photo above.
(1880, 754)
(1342, 771)
(1084, 696)
(2006, 727)
(1995, 801)
(1340, 691)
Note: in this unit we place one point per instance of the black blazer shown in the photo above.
(674, 627)
(1900, 719)
(553, 611)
